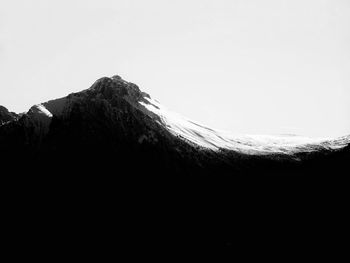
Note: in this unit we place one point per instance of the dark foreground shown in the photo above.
(115, 203)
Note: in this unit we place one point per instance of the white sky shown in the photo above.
(247, 66)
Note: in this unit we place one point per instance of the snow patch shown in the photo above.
(41, 118)
(249, 144)
(57, 106)
(42, 110)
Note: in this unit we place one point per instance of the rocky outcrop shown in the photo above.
(6, 116)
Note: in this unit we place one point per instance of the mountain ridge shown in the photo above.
(197, 134)
(116, 113)
(6, 115)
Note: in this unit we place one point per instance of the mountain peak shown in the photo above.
(6, 115)
(116, 77)
(116, 86)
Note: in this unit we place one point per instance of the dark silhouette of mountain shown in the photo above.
(6, 116)
(114, 122)
(113, 150)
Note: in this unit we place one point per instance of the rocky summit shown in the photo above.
(6, 116)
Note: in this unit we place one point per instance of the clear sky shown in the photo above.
(249, 66)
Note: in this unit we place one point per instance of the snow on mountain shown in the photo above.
(56, 107)
(249, 144)
(40, 112)
(107, 89)
(40, 117)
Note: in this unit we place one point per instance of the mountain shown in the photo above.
(111, 157)
(6, 116)
(114, 120)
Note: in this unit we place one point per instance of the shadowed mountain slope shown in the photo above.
(113, 121)
(110, 161)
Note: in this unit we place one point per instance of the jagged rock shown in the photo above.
(6, 116)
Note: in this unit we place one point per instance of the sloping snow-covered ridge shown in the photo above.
(249, 144)
(195, 133)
